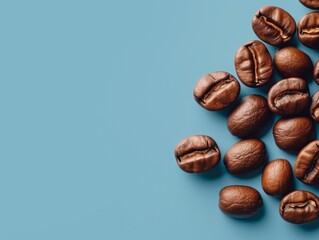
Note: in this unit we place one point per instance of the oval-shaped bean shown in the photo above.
(216, 90)
(249, 117)
(240, 201)
(308, 30)
(292, 134)
(307, 165)
(245, 156)
(299, 207)
(292, 62)
(277, 177)
(274, 25)
(253, 64)
(289, 96)
(197, 154)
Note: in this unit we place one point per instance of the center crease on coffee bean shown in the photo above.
(310, 31)
(314, 165)
(300, 205)
(285, 94)
(255, 63)
(272, 24)
(186, 157)
(214, 87)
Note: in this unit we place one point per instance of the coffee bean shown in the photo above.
(249, 116)
(314, 107)
(299, 207)
(307, 164)
(277, 177)
(274, 25)
(289, 96)
(292, 62)
(292, 134)
(253, 64)
(245, 156)
(216, 91)
(240, 201)
(308, 30)
(313, 4)
(197, 154)
(316, 72)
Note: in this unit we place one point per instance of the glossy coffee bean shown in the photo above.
(249, 116)
(292, 134)
(240, 201)
(292, 62)
(314, 107)
(307, 164)
(289, 97)
(274, 25)
(277, 177)
(216, 91)
(308, 30)
(316, 72)
(253, 64)
(197, 154)
(245, 156)
(299, 207)
(313, 4)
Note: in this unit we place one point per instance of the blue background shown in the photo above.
(95, 95)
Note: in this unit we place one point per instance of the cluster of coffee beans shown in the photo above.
(289, 97)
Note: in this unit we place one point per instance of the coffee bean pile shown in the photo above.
(289, 97)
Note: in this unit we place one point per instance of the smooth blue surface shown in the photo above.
(95, 95)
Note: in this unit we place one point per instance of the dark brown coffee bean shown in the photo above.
(197, 154)
(314, 107)
(308, 30)
(240, 201)
(216, 91)
(292, 62)
(253, 64)
(316, 72)
(299, 207)
(289, 97)
(307, 164)
(274, 25)
(292, 134)
(277, 177)
(249, 117)
(313, 4)
(245, 156)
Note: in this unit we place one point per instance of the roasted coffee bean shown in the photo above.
(314, 107)
(313, 4)
(292, 134)
(274, 25)
(277, 177)
(299, 207)
(216, 91)
(316, 72)
(249, 117)
(307, 164)
(292, 62)
(240, 201)
(253, 64)
(289, 96)
(245, 156)
(308, 30)
(197, 154)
